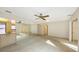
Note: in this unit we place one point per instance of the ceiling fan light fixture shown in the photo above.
(41, 16)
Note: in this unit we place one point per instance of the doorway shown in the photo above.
(43, 29)
(74, 30)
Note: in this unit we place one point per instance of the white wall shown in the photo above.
(59, 29)
(34, 28)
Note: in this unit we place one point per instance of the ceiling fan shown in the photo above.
(41, 16)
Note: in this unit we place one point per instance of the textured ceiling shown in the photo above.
(26, 14)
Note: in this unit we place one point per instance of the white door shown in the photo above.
(2, 28)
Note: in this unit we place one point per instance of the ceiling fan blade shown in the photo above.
(46, 16)
(43, 18)
(37, 18)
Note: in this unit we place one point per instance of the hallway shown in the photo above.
(39, 44)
